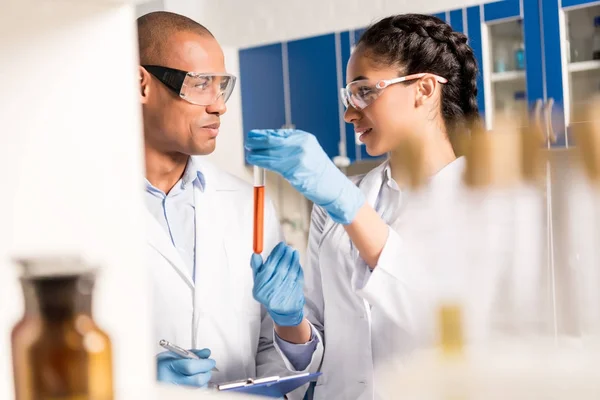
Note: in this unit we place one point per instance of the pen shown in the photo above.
(181, 352)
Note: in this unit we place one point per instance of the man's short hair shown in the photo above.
(154, 30)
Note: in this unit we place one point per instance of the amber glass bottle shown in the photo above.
(58, 351)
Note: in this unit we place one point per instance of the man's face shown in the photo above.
(171, 124)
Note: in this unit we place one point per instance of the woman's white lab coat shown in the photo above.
(218, 311)
(369, 316)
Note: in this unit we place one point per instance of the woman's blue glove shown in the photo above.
(279, 285)
(297, 156)
(172, 368)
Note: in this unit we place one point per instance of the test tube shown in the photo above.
(259, 209)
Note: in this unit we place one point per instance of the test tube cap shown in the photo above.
(259, 176)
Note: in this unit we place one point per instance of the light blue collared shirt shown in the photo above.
(175, 212)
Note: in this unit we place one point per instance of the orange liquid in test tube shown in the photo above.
(259, 210)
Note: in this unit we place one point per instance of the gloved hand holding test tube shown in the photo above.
(278, 280)
(259, 210)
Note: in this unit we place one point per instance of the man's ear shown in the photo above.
(144, 85)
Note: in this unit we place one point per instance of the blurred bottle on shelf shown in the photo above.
(519, 53)
(58, 350)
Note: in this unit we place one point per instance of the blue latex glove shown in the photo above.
(297, 156)
(279, 285)
(172, 368)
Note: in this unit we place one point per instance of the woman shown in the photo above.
(409, 76)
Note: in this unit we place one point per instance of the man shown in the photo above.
(200, 225)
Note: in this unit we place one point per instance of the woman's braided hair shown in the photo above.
(420, 43)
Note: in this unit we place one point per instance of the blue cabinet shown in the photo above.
(313, 75)
(355, 150)
(295, 84)
(534, 56)
(262, 87)
(508, 56)
(443, 16)
(561, 72)
(473, 32)
(510, 44)
(551, 57)
(503, 10)
(571, 32)
(456, 19)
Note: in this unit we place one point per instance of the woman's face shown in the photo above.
(394, 114)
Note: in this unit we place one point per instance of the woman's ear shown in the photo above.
(426, 88)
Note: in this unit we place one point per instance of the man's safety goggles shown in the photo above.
(202, 89)
(359, 94)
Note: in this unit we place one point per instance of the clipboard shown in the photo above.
(272, 386)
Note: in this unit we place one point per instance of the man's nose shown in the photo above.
(217, 107)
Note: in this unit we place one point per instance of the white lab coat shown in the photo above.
(218, 312)
(369, 317)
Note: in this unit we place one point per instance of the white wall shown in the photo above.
(264, 21)
(149, 6)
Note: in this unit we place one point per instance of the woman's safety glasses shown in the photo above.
(359, 94)
(197, 88)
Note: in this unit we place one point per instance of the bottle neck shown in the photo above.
(61, 299)
(29, 297)
(58, 315)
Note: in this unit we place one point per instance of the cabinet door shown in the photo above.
(511, 58)
(473, 31)
(572, 59)
(468, 21)
(457, 19)
(261, 82)
(314, 89)
(443, 16)
(355, 149)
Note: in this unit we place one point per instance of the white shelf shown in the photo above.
(584, 66)
(508, 76)
(46, 142)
